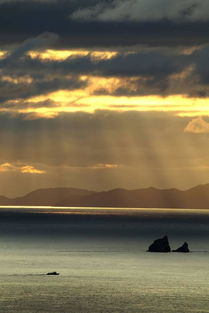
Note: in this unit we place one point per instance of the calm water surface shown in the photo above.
(101, 256)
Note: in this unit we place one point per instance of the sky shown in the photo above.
(103, 94)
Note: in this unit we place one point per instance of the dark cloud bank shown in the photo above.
(153, 71)
(20, 20)
(157, 44)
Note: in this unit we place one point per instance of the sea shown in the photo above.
(101, 255)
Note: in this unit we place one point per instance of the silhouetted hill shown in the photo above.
(5, 200)
(48, 196)
(197, 197)
(146, 198)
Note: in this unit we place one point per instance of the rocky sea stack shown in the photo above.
(160, 245)
(184, 248)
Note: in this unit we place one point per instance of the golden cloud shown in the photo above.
(61, 55)
(31, 170)
(82, 100)
(90, 99)
(105, 166)
(24, 169)
(197, 126)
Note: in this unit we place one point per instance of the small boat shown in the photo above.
(53, 273)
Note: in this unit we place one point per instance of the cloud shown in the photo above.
(22, 90)
(22, 1)
(114, 24)
(28, 169)
(24, 169)
(197, 126)
(104, 166)
(143, 10)
(145, 71)
(140, 71)
(38, 42)
(153, 63)
(22, 77)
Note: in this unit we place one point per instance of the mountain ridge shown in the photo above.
(150, 197)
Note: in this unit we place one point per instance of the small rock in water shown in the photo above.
(52, 273)
(160, 245)
(184, 248)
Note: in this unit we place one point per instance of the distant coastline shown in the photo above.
(194, 198)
